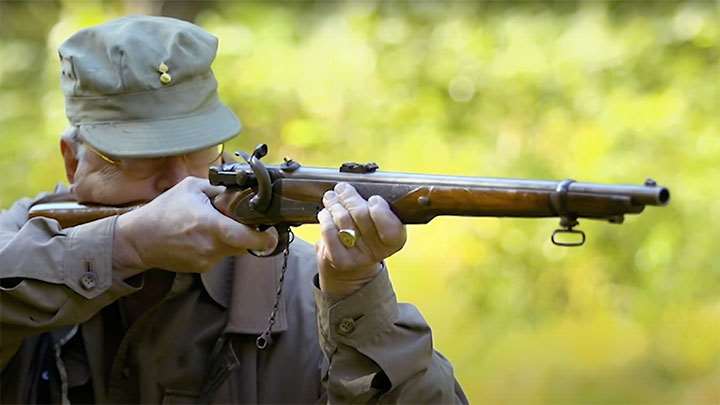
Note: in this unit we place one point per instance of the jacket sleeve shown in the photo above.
(52, 277)
(379, 351)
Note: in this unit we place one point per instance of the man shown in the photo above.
(88, 316)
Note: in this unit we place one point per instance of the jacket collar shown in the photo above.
(246, 285)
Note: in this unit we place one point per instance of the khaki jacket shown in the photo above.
(60, 338)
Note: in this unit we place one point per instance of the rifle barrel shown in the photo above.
(649, 194)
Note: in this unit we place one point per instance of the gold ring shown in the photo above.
(348, 237)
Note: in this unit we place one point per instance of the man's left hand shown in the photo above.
(379, 234)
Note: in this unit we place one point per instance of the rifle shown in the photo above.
(290, 194)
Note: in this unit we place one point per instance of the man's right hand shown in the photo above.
(181, 231)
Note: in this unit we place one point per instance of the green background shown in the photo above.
(603, 92)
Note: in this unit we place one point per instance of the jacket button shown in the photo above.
(88, 280)
(346, 326)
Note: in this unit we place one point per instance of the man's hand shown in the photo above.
(379, 234)
(181, 231)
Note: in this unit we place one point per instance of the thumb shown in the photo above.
(204, 186)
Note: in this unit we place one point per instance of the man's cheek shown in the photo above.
(201, 173)
(99, 188)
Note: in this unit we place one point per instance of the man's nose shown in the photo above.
(173, 172)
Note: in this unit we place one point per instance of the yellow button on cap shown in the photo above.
(165, 77)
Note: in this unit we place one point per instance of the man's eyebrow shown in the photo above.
(110, 170)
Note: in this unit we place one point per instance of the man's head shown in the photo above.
(99, 178)
(140, 95)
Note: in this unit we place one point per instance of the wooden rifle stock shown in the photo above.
(291, 195)
(70, 213)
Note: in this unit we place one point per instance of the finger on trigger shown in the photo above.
(237, 235)
(272, 231)
(388, 225)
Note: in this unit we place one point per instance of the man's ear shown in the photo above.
(69, 152)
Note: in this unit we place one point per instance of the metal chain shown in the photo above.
(265, 340)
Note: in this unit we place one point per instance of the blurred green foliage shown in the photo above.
(604, 92)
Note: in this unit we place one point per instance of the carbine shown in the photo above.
(290, 194)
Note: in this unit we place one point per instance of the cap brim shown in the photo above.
(164, 137)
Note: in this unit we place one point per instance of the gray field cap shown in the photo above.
(142, 86)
